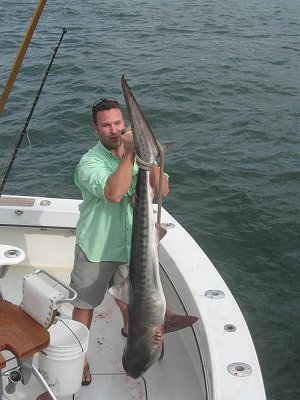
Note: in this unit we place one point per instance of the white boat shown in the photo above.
(215, 359)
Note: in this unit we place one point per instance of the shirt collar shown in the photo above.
(105, 151)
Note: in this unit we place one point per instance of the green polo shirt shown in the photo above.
(104, 228)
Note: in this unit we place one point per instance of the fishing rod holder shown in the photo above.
(14, 376)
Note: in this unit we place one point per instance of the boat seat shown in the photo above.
(19, 333)
(24, 327)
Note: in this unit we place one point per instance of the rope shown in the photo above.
(146, 166)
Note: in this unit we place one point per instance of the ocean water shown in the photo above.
(222, 79)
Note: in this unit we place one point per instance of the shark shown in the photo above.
(148, 316)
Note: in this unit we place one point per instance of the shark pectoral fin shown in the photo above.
(175, 322)
(160, 231)
(164, 149)
(168, 146)
(121, 291)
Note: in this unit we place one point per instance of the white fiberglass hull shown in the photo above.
(215, 359)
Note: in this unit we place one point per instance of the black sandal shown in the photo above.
(123, 333)
(86, 372)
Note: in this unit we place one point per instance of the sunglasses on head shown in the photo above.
(104, 101)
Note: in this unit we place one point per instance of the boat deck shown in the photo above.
(106, 344)
(213, 359)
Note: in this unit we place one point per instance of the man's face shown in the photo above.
(109, 126)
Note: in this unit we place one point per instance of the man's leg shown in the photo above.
(85, 317)
(124, 311)
(90, 281)
(121, 295)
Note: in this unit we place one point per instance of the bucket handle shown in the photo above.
(58, 319)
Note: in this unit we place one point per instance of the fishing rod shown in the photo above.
(21, 53)
(24, 131)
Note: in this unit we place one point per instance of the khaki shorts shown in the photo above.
(92, 279)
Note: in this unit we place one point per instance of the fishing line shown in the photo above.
(24, 131)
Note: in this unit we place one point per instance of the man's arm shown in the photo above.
(119, 181)
(154, 181)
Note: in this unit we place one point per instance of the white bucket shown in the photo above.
(61, 363)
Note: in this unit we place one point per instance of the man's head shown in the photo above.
(104, 104)
(108, 122)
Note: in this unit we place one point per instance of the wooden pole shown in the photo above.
(21, 53)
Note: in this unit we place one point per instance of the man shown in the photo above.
(106, 176)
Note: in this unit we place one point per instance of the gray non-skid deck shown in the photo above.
(172, 376)
(106, 344)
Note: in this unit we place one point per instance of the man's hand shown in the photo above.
(127, 139)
